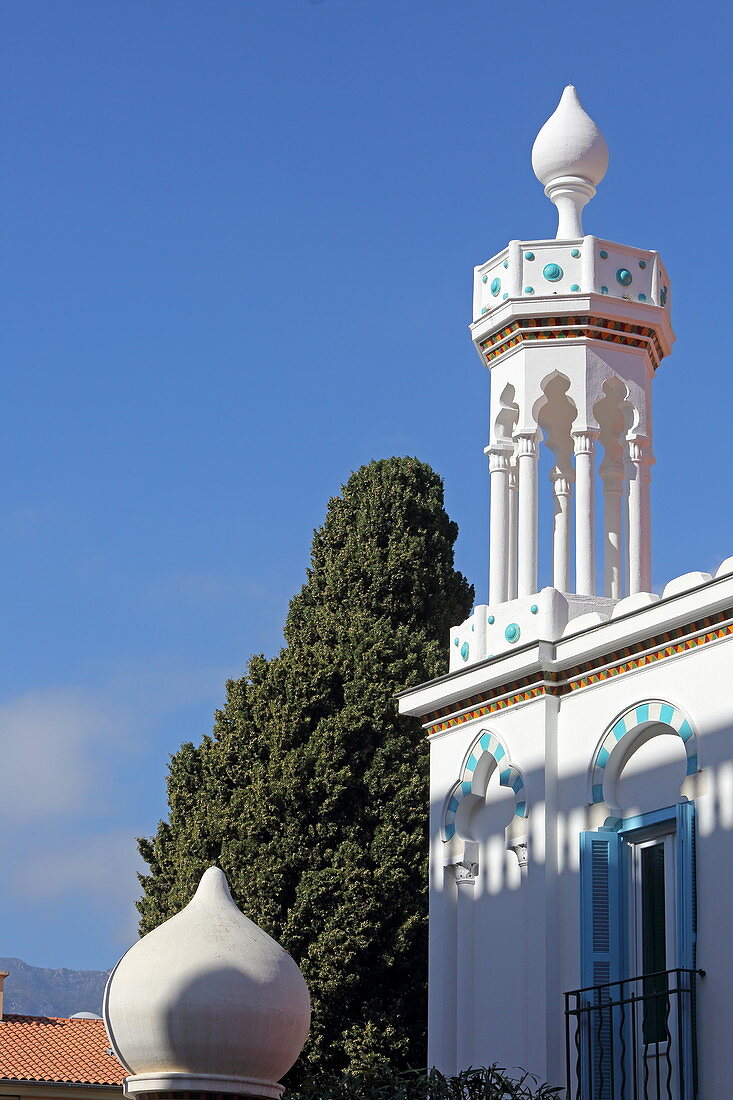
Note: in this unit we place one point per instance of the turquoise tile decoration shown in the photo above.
(685, 731)
(630, 723)
(552, 272)
(508, 777)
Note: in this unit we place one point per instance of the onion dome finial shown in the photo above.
(207, 1002)
(570, 157)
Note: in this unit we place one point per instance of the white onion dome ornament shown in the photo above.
(207, 1002)
(570, 157)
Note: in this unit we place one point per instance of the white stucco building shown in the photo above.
(582, 742)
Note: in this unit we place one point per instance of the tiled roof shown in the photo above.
(49, 1048)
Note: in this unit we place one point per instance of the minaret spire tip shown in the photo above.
(570, 157)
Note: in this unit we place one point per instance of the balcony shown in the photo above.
(633, 1039)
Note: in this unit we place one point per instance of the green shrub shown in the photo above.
(487, 1083)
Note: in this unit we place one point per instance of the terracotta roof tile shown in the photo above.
(50, 1048)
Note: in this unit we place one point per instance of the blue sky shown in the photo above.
(237, 249)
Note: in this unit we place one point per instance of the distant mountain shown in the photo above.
(37, 991)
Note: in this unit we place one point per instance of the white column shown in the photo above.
(612, 475)
(561, 530)
(639, 546)
(646, 511)
(443, 953)
(527, 515)
(512, 554)
(585, 558)
(499, 458)
(465, 948)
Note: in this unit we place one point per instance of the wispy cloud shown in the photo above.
(49, 747)
(101, 869)
(61, 745)
(75, 762)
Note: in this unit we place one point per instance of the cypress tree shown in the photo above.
(312, 792)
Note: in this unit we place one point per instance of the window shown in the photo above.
(638, 930)
(651, 935)
(637, 886)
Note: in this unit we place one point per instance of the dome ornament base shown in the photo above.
(172, 1085)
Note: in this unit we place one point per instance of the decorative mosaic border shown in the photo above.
(566, 328)
(628, 724)
(646, 652)
(487, 744)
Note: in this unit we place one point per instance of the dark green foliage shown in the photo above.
(312, 792)
(489, 1083)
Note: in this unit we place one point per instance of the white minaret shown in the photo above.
(572, 330)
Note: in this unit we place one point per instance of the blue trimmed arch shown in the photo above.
(486, 753)
(624, 730)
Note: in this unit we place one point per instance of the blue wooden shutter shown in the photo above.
(686, 886)
(602, 932)
(602, 892)
(686, 889)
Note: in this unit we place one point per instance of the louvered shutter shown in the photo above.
(686, 886)
(686, 890)
(602, 931)
(602, 893)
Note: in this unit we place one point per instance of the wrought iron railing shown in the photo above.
(633, 1039)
